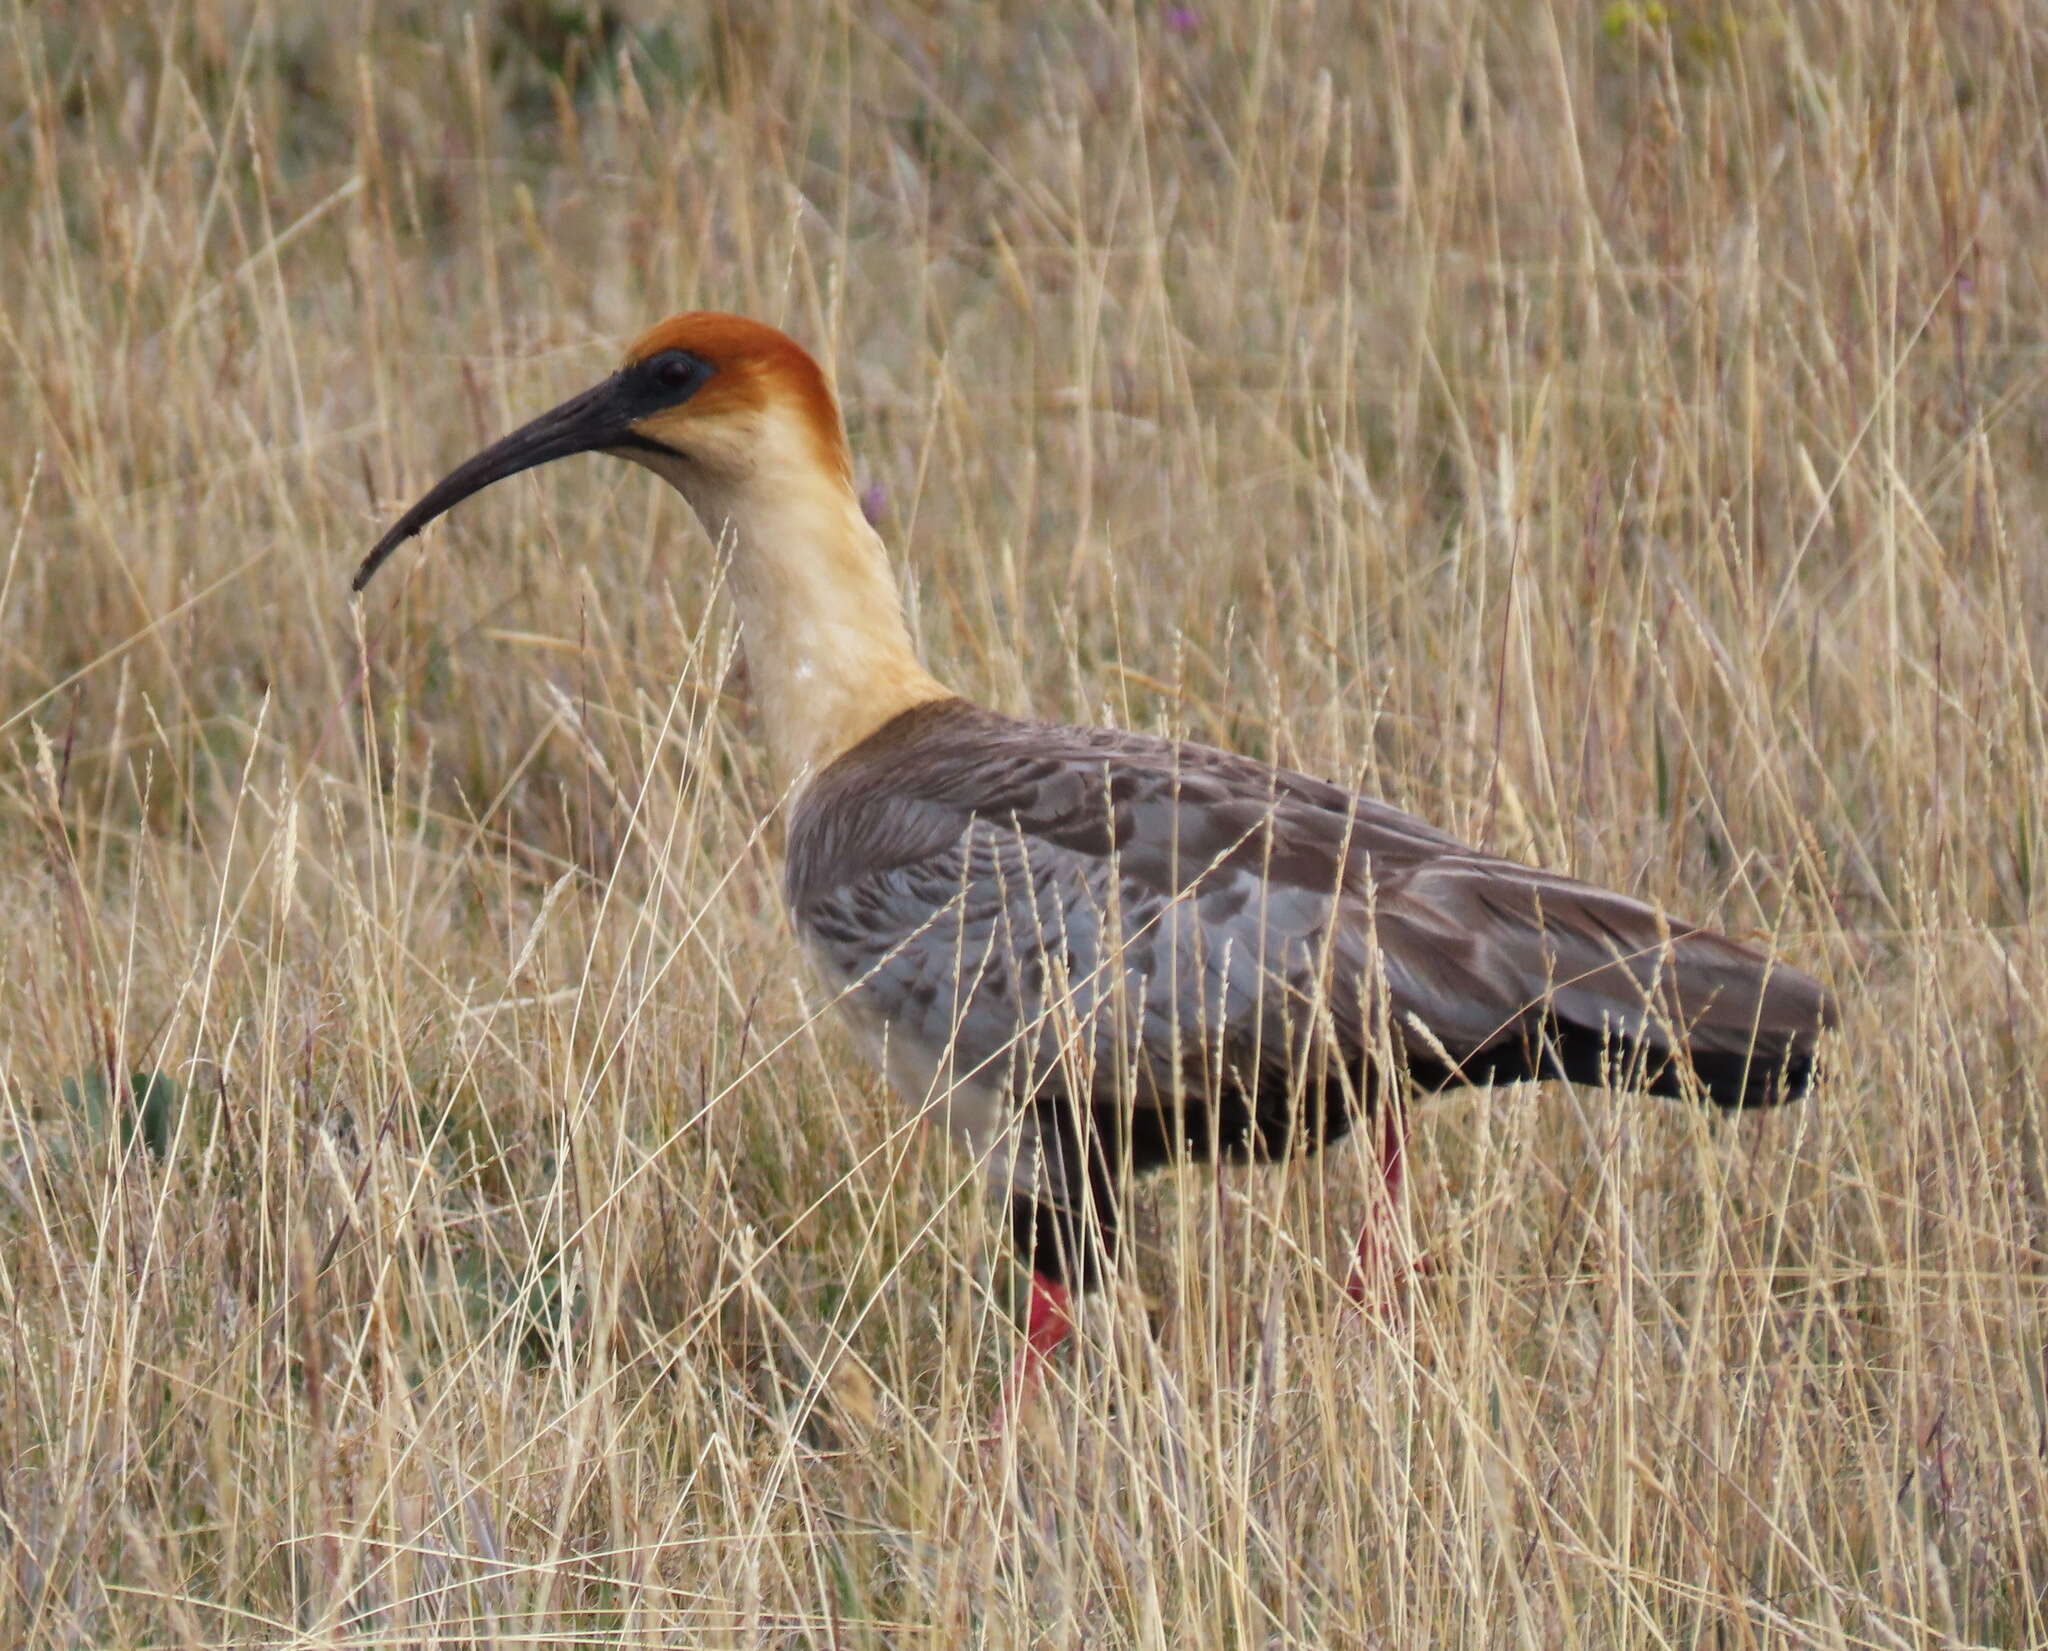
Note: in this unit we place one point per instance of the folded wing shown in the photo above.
(1143, 924)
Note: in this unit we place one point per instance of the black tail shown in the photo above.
(1722, 1019)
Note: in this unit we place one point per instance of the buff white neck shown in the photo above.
(828, 651)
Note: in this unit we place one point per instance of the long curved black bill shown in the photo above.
(600, 417)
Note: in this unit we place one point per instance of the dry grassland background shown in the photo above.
(434, 1207)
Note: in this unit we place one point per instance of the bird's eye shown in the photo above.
(674, 370)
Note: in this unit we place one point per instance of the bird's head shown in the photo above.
(714, 403)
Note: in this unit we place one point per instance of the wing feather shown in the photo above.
(1105, 914)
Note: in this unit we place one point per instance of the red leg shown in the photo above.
(1375, 1271)
(1048, 1321)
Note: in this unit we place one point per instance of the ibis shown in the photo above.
(1089, 952)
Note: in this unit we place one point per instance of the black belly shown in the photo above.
(1074, 1237)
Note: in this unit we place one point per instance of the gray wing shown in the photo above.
(1134, 922)
(1000, 958)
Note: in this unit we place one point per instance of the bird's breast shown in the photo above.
(972, 1100)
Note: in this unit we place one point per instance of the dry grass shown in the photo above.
(1617, 436)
